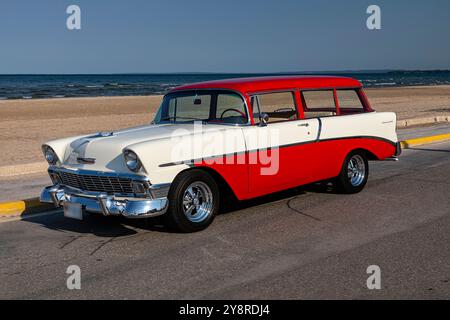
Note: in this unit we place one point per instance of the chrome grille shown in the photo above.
(96, 183)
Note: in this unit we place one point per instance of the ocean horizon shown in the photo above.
(41, 86)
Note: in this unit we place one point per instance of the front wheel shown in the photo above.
(354, 173)
(193, 201)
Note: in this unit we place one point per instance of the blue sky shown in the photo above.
(222, 36)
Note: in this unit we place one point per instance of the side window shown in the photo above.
(319, 103)
(231, 109)
(279, 106)
(349, 101)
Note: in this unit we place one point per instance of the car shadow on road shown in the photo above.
(318, 187)
(95, 224)
(425, 149)
(113, 227)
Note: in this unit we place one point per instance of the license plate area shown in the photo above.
(73, 211)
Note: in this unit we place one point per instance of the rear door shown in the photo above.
(320, 105)
(277, 151)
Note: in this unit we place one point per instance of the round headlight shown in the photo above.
(50, 155)
(132, 161)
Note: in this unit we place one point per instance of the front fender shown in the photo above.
(62, 147)
(157, 159)
(164, 158)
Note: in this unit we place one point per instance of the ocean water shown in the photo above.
(60, 86)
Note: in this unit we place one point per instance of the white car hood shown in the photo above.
(104, 151)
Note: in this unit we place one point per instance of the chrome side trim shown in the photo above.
(319, 131)
(199, 160)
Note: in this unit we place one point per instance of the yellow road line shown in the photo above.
(424, 140)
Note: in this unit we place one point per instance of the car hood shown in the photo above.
(103, 151)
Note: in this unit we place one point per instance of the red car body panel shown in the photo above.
(298, 164)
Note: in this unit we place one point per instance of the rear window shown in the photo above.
(319, 103)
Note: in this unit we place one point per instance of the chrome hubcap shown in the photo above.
(197, 201)
(356, 170)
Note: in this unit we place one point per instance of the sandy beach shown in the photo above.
(26, 124)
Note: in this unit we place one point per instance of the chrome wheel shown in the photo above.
(356, 170)
(198, 201)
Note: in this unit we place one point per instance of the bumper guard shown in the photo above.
(108, 205)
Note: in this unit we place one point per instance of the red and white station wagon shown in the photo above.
(253, 136)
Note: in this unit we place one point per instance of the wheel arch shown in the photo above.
(369, 154)
(224, 186)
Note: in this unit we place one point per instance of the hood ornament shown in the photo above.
(85, 160)
(104, 134)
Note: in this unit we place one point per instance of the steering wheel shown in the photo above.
(235, 110)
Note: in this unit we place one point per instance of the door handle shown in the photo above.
(303, 125)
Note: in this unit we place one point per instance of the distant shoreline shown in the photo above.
(34, 87)
(161, 94)
(55, 98)
(232, 73)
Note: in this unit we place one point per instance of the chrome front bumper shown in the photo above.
(105, 204)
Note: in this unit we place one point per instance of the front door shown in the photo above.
(278, 150)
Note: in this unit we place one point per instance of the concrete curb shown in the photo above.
(422, 121)
(32, 206)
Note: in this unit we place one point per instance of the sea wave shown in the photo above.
(386, 84)
(56, 86)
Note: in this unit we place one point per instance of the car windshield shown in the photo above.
(208, 106)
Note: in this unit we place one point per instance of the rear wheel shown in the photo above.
(193, 201)
(354, 173)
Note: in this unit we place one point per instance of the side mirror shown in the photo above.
(264, 119)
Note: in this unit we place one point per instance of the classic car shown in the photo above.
(247, 136)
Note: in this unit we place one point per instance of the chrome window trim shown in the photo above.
(253, 93)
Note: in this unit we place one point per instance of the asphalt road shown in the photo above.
(304, 243)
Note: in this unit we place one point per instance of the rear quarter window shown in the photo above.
(318, 103)
(349, 101)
